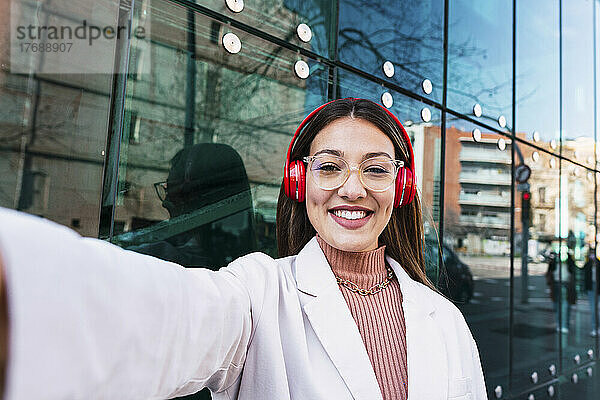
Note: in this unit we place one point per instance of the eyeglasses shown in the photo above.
(161, 190)
(330, 172)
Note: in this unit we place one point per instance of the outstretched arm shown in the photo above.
(90, 320)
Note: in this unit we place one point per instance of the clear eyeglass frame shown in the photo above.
(359, 168)
(161, 190)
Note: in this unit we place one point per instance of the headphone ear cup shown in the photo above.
(410, 187)
(405, 187)
(286, 180)
(301, 181)
(296, 181)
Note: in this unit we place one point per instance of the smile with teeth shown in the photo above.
(350, 214)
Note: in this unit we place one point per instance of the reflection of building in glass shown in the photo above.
(54, 155)
(571, 192)
(544, 188)
(478, 193)
(579, 186)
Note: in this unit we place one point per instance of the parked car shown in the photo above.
(454, 279)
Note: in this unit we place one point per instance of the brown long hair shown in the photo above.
(403, 236)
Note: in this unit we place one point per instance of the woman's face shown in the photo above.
(354, 140)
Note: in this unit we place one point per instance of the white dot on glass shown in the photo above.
(388, 69)
(552, 163)
(476, 133)
(232, 43)
(387, 99)
(426, 114)
(535, 156)
(427, 86)
(498, 391)
(477, 111)
(235, 6)
(501, 144)
(502, 121)
(304, 32)
(536, 136)
(553, 144)
(301, 69)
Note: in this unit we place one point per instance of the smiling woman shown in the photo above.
(355, 130)
(348, 313)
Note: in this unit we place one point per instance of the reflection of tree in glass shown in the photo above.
(407, 34)
(410, 35)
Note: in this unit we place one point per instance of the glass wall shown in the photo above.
(178, 151)
(202, 147)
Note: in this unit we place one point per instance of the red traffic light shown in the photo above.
(526, 195)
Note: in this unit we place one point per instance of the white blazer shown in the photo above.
(89, 320)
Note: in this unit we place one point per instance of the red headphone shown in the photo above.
(294, 172)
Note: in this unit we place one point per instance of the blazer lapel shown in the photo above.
(333, 324)
(426, 351)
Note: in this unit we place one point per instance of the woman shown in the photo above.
(348, 313)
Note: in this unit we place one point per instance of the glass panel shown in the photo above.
(587, 387)
(281, 19)
(535, 316)
(426, 140)
(204, 141)
(577, 81)
(578, 238)
(477, 239)
(480, 58)
(537, 89)
(408, 34)
(52, 137)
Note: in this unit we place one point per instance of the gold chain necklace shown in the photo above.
(376, 288)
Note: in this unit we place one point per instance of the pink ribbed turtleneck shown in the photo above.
(379, 317)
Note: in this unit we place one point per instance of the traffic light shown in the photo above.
(525, 206)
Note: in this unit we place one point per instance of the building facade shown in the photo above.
(177, 150)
